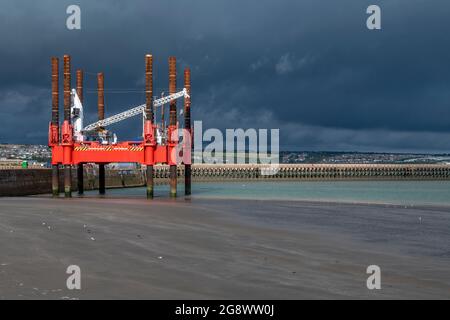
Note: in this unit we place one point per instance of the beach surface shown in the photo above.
(221, 249)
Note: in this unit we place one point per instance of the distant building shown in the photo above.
(10, 163)
(19, 164)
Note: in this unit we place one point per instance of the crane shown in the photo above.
(135, 111)
(77, 113)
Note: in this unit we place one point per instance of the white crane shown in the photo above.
(135, 111)
(77, 114)
(76, 111)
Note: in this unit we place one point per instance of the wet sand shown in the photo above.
(220, 249)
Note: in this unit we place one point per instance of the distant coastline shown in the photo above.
(40, 155)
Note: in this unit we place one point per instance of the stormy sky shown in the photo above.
(308, 67)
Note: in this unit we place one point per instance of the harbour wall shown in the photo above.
(19, 182)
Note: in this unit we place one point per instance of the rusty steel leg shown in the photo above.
(187, 179)
(68, 181)
(80, 85)
(80, 179)
(67, 166)
(187, 131)
(55, 91)
(150, 183)
(101, 96)
(172, 121)
(55, 120)
(173, 181)
(149, 114)
(67, 85)
(80, 175)
(101, 179)
(55, 180)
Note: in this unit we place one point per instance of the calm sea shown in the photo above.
(391, 192)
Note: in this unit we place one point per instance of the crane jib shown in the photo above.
(135, 111)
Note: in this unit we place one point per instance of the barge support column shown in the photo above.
(187, 130)
(67, 134)
(149, 130)
(150, 182)
(55, 122)
(55, 180)
(80, 175)
(101, 116)
(101, 179)
(80, 179)
(172, 132)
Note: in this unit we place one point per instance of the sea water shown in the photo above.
(389, 192)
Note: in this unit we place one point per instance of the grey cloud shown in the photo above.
(288, 63)
(261, 62)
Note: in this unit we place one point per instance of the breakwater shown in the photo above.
(321, 171)
(19, 182)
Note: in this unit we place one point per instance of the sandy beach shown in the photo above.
(220, 249)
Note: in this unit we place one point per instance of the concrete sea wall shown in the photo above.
(19, 182)
(322, 172)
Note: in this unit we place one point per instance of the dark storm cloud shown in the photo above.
(308, 67)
